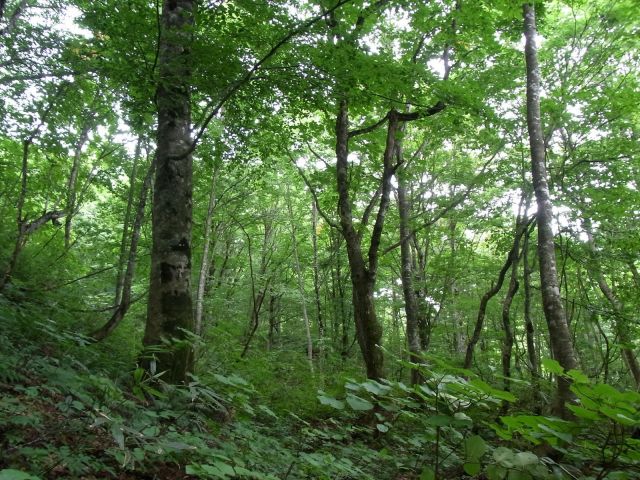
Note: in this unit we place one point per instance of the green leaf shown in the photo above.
(552, 366)
(376, 388)
(268, 411)
(578, 377)
(359, 404)
(472, 468)
(427, 474)
(496, 472)
(10, 474)
(118, 435)
(503, 456)
(382, 427)
(519, 475)
(331, 402)
(523, 459)
(474, 447)
(561, 435)
(583, 412)
(439, 420)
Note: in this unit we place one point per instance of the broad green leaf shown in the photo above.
(578, 376)
(118, 435)
(552, 366)
(382, 427)
(503, 456)
(359, 404)
(427, 474)
(519, 475)
(472, 468)
(376, 388)
(331, 402)
(620, 416)
(439, 420)
(496, 472)
(522, 459)
(583, 412)
(11, 474)
(475, 447)
(561, 435)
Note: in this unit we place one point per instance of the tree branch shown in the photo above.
(237, 85)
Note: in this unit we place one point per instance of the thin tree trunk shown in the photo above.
(489, 294)
(407, 276)
(125, 300)
(73, 179)
(316, 275)
(528, 321)
(122, 257)
(170, 307)
(617, 305)
(560, 337)
(206, 258)
(296, 260)
(507, 343)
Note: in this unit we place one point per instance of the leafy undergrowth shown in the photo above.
(61, 419)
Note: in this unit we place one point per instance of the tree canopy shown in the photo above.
(320, 239)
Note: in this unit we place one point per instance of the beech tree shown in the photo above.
(170, 308)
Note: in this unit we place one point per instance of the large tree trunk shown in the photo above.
(560, 337)
(170, 308)
(363, 273)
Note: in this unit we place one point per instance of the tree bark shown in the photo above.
(507, 342)
(300, 278)
(560, 337)
(363, 275)
(528, 320)
(127, 282)
(122, 257)
(316, 274)
(616, 304)
(206, 257)
(73, 179)
(407, 276)
(489, 294)
(170, 308)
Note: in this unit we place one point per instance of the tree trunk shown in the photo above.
(299, 275)
(407, 276)
(170, 308)
(125, 300)
(73, 179)
(363, 275)
(507, 343)
(560, 338)
(513, 254)
(616, 304)
(206, 257)
(122, 258)
(528, 321)
(316, 275)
